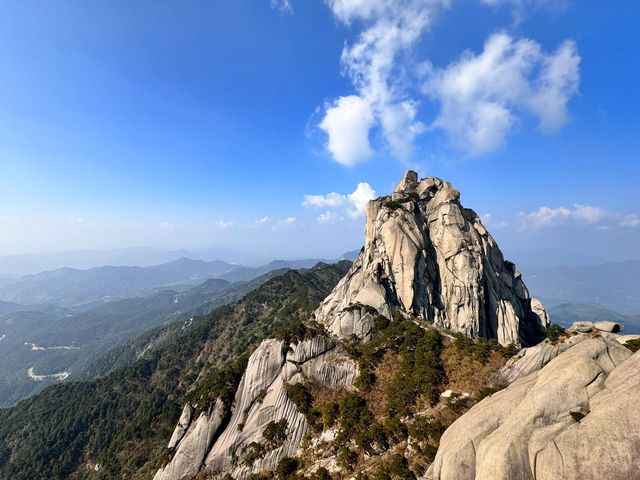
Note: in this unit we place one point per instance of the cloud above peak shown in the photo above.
(585, 215)
(352, 204)
(347, 122)
(479, 98)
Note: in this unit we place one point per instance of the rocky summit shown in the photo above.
(428, 256)
(425, 259)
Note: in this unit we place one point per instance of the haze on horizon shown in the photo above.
(258, 130)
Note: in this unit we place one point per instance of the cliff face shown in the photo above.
(427, 255)
(260, 400)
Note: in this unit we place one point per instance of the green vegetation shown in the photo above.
(633, 345)
(555, 333)
(275, 433)
(123, 420)
(287, 468)
(481, 348)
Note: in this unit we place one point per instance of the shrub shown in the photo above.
(421, 371)
(633, 345)
(489, 390)
(286, 468)
(347, 458)
(275, 433)
(330, 413)
(373, 439)
(426, 429)
(253, 452)
(321, 474)
(398, 467)
(354, 416)
(300, 395)
(554, 333)
(395, 430)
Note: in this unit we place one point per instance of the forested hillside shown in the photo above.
(118, 426)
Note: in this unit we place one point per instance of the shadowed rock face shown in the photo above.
(429, 256)
(574, 417)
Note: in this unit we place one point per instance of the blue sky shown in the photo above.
(204, 124)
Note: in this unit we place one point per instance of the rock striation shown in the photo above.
(427, 255)
(261, 398)
(568, 413)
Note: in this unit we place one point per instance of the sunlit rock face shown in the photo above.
(570, 412)
(426, 254)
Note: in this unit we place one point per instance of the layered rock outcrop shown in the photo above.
(571, 418)
(426, 254)
(261, 398)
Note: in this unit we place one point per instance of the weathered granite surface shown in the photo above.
(574, 417)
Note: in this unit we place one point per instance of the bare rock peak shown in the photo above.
(429, 256)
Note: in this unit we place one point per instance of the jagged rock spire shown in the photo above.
(427, 255)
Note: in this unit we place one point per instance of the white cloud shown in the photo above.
(224, 225)
(167, 225)
(347, 122)
(328, 217)
(490, 222)
(632, 220)
(264, 220)
(588, 214)
(373, 63)
(332, 200)
(359, 198)
(282, 6)
(354, 202)
(287, 221)
(72, 219)
(481, 96)
(580, 214)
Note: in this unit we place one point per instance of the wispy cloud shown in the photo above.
(328, 217)
(603, 219)
(72, 219)
(282, 6)
(353, 204)
(480, 97)
(264, 220)
(225, 225)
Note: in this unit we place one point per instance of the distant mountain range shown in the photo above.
(71, 287)
(38, 345)
(613, 285)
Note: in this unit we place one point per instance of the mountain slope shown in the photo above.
(118, 425)
(380, 348)
(50, 344)
(72, 287)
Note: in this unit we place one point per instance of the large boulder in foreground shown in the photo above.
(427, 255)
(574, 418)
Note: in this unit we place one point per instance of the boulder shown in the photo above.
(574, 418)
(612, 327)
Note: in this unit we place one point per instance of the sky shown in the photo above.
(262, 127)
